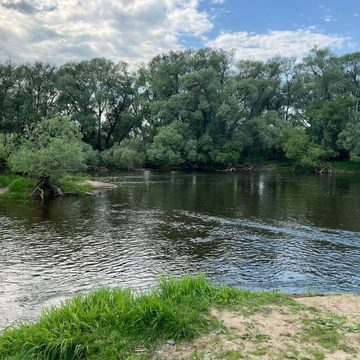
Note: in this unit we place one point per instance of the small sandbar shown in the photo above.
(99, 185)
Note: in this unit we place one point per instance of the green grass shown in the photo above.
(325, 331)
(345, 165)
(73, 183)
(283, 164)
(19, 187)
(116, 324)
(6, 180)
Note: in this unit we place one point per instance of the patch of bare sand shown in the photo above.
(261, 336)
(99, 185)
(4, 190)
(272, 334)
(343, 305)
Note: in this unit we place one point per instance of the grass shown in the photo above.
(346, 165)
(6, 180)
(116, 324)
(74, 183)
(325, 331)
(19, 187)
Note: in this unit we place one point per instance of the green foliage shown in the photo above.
(7, 147)
(168, 146)
(328, 119)
(51, 150)
(302, 150)
(111, 324)
(349, 140)
(92, 157)
(126, 155)
(189, 108)
(3, 152)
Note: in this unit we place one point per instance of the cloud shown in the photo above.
(22, 6)
(130, 30)
(57, 31)
(289, 43)
(328, 18)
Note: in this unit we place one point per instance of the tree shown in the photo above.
(51, 150)
(3, 150)
(126, 155)
(328, 119)
(168, 146)
(349, 140)
(98, 93)
(302, 150)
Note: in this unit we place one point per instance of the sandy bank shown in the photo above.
(99, 185)
(323, 327)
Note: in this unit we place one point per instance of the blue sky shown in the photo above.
(136, 30)
(331, 16)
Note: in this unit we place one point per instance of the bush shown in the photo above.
(126, 155)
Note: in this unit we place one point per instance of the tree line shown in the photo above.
(182, 109)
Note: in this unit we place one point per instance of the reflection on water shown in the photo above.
(262, 231)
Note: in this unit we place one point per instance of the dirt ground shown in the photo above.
(324, 327)
(3, 190)
(345, 305)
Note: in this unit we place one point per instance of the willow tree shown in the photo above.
(51, 150)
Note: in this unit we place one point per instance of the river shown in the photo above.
(294, 233)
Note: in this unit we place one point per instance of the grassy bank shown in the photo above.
(184, 318)
(345, 166)
(16, 187)
(19, 188)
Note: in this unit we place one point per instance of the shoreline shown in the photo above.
(189, 319)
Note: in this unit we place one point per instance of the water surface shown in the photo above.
(262, 231)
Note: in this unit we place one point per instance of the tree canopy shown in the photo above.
(50, 150)
(184, 108)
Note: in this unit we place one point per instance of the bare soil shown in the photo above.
(276, 333)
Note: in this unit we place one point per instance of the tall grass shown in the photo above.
(6, 180)
(74, 183)
(18, 187)
(115, 324)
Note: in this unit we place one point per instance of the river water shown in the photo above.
(257, 230)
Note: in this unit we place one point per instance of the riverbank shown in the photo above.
(190, 319)
(20, 188)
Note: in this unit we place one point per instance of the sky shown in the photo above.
(57, 31)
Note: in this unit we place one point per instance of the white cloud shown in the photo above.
(328, 18)
(130, 30)
(295, 43)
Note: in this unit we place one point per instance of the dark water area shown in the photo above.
(293, 233)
